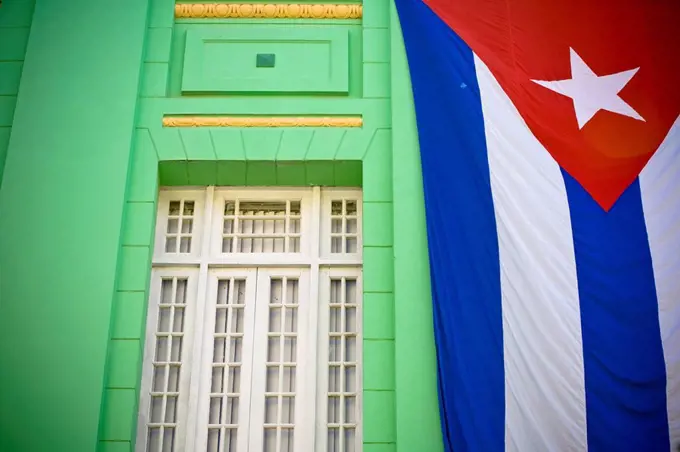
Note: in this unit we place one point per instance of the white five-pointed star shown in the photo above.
(592, 93)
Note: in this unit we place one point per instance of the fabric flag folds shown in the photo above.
(550, 147)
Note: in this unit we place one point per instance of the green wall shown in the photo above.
(15, 25)
(88, 150)
(61, 207)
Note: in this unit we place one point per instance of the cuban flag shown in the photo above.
(550, 145)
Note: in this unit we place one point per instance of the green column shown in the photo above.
(61, 207)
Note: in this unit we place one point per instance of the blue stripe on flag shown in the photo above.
(625, 375)
(461, 226)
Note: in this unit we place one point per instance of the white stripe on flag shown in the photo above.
(544, 377)
(660, 188)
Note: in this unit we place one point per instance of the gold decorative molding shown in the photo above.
(266, 11)
(262, 121)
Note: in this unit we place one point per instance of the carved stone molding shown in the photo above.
(262, 121)
(266, 11)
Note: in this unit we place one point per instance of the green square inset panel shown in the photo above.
(304, 60)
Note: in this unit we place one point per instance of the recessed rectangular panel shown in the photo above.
(301, 60)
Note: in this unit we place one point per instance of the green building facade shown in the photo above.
(103, 103)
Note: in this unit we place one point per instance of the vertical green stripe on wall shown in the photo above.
(418, 427)
(61, 207)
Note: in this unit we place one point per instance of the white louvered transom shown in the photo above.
(253, 337)
(261, 227)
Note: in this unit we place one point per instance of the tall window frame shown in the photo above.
(207, 235)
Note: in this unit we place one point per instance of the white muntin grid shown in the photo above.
(344, 226)
(167, 359)
(341, 376)
(341, 225)
(266, 284)
(280, 384)
(227, 362)
(281, 362)
(180, 226)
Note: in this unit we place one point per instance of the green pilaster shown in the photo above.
(61, 207)
(418, 427)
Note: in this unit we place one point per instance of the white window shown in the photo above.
(254, 323)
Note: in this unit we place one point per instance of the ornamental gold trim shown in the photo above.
(266, 11)
(262, 121)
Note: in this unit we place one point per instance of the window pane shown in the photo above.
(168, 439)
(173, 378)
(270, 440)
(171, 409)
(333, 439)
(153, 441)
(287, 440)
(271, 409)
(350, 439)
(230, 440)
(214, 440)
(217, 380)
(164, 320)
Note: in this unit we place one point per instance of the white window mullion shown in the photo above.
(202, 292)
(306, 358)
(321, 428)
(259, 376)
(314, 333)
